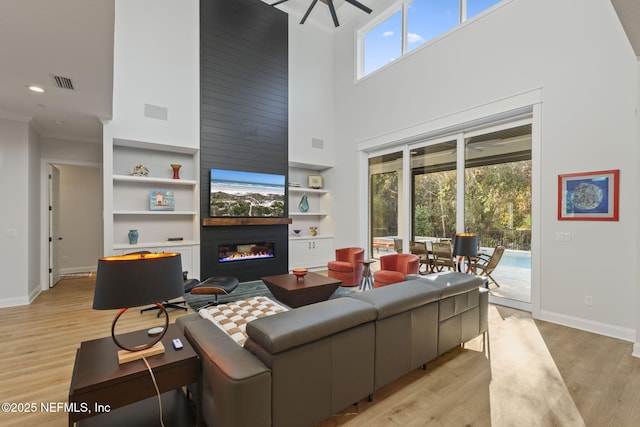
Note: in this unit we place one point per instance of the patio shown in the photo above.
(513, 272)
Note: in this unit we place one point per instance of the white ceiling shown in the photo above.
(629, 14)
(74, 39)
(68, 38)
(320, 13)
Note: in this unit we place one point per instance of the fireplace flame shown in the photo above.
(241, 256)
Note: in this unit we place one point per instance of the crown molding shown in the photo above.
(15, 117)
(62, 137)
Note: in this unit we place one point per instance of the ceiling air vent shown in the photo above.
(63, 82)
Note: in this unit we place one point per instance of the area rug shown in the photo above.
(247, 290)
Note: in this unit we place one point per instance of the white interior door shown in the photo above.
(54, 225)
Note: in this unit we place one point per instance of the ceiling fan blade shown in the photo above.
(304, 18)
(278, 2)
(332, 9)
(359, 5)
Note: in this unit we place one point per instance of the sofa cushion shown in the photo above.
(388, 277)
(391, 300)
(233, 317)
(342, 266)
(450, 283)
(309, 323)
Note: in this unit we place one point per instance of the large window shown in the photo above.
(433, 170)
(410, 25)
(385, 188)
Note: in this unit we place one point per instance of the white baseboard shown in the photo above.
(22, 300)
(34, 294)
(636, 350)
(605, 329)
(13, 302)
(71, 270)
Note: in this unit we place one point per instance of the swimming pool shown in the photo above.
(520, 259)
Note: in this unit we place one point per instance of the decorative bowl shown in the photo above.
(300, 273)
(296, 232)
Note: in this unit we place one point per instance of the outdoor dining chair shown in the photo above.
(442, 256)
(484, 264)
(420, 249)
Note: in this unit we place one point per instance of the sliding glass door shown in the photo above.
(476, 181)
(497, 200)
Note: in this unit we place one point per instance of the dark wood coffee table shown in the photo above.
(296, 293)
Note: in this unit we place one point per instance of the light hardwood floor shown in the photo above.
(539, 374)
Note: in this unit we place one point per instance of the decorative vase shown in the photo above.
(313, 230)
(133, 237)
(176, 171)
(303, 206)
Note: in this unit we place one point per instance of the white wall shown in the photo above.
(636, 348)
(71, 151)
(80, 218)
(156, 62)
(587, 81)
(35, 238)
(311, 97)
(18, 274)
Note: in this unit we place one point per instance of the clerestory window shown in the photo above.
(410, 24)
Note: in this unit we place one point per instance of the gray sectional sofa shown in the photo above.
(304, 365)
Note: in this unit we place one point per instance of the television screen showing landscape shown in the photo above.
(246, 194)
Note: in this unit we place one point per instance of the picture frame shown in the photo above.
(589, 196)
(161, 200)
(315, 181)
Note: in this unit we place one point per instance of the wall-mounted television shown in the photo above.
(246, 194)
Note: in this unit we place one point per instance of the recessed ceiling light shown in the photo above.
(36, 89)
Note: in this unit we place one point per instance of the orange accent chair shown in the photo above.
(346, 267)
(394, 268)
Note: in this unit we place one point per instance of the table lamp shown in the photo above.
(134, 280)
(465, 245)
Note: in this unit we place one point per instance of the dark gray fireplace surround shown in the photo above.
(244, 120)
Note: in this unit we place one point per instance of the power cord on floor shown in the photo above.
(156, 386)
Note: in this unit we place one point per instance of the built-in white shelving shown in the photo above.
(306, 250)
(152, 180)
(307, 190)
(130, 208)
(125, 212)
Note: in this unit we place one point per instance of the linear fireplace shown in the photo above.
(243, 242)
(233, 252)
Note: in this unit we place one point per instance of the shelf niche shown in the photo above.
(215, 222)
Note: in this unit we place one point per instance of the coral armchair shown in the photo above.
(347, 267)
(394, 267)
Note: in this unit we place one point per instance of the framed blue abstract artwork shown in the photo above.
(589, 196)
